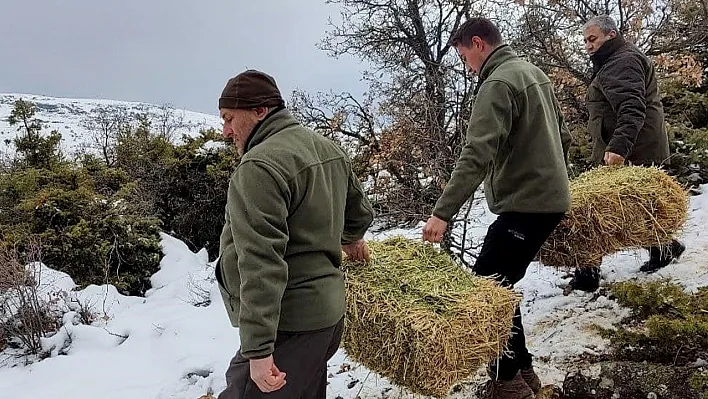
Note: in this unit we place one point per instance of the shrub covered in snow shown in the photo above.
(94, 237)
(99, 220)
(689, 153)
(183, 185)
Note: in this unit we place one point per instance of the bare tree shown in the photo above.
(411, 126)
(339, 116)
(167, 121)
(409, 129)
(105, 123)
(549, 32)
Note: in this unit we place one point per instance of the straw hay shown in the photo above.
(614, 209)
(419, 319)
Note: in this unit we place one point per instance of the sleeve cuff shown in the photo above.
(620, 147)
(442, 216)
(257, 354)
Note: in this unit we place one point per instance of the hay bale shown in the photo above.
(417, 318)
(614, 209)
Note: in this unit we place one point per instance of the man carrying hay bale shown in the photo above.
(293, 205)
(517, 143)
(626, 122)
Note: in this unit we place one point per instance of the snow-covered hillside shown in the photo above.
(69, 116)
(177, 342)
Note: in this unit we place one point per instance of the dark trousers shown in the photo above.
(510, 245)
(302, 356)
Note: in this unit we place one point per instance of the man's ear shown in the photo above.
(261, 112)
(613, 34)
(478, 41)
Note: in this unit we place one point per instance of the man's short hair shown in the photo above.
(481, 27)
(604, 22)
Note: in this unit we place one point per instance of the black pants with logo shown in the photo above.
(510, 245)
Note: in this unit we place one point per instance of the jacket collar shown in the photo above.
(605, 52)
(277, 120)
(497, 57)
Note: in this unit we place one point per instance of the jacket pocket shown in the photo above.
(225, 293)
(492, 182)
(596, 111)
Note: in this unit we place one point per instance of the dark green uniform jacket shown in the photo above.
(292, 202)
(517, 142)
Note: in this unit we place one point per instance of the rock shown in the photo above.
(694, 177)
(623, 379)
(550, 392)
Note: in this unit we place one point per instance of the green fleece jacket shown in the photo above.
(517, 143)
(292, 202)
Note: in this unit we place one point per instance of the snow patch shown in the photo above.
(177, 342)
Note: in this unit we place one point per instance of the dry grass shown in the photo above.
(23, 316)
(614, 209)
(417, 318)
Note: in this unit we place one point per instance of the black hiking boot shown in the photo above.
(584, 279)
(660, 257)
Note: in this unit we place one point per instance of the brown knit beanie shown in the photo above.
(251, 89)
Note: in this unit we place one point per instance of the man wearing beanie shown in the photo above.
(293, 206)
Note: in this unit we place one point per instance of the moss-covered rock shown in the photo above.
(667, 326)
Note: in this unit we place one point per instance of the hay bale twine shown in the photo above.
(417, 318)
(614, 209)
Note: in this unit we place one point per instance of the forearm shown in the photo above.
(261, 294)
(258, 199)
(465, 179)
(490, 124)
(359, 214)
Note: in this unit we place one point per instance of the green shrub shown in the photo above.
(184, 186)
(651, 298)
(100, 223)
(580, 152)
(686, 105)
(93, 237)
(667, 324)
(689, 153)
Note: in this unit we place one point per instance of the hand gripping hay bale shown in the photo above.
(419, 319)
(614, 209)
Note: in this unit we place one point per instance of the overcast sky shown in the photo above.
(166, 51)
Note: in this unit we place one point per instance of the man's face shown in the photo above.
(472, 56)
(239, 123)
(595, 38)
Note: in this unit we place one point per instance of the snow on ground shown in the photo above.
(177, 342)
(69, 115)
(210, 146)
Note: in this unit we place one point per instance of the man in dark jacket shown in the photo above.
(293, 205)
(626, 121)
(517, 143)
